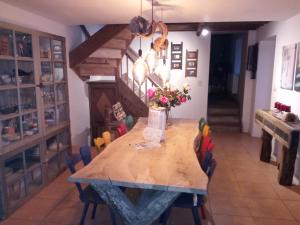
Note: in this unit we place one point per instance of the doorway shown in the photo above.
(226, 77)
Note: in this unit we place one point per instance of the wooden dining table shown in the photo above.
(162, 172)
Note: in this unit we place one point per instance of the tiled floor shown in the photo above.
(243, 191)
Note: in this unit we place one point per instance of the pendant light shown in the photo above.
(164, 72)
(140, 69)
(151, 58)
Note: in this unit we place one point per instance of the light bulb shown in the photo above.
(204, 32)
(152, 60)
(140, 70)
(164, 73)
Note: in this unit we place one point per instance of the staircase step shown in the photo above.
(93, 60)
(223, 111)
(116, 43)
(223, 120)
(107, 53)
(220, 128)
(124, 34)
(96, 69)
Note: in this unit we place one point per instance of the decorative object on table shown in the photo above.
(118, 111)
(252, 60)
(291, 117)
(176, 56)
(191, 63)
(157, 121)
(297, 73)
(288, 66)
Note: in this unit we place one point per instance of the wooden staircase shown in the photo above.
(102, 52)
(107, 53)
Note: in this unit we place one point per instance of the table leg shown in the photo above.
(148, 209)
(287, 164)
(266, 148)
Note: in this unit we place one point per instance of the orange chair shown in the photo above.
(106, 135)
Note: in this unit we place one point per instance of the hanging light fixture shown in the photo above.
(163, 72)
(151, 58)
(140, 68)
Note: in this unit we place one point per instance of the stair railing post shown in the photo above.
(127, 69)
(146, 99)
(140, 91)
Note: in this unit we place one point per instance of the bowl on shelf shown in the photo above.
(6, 79)
(8, 109)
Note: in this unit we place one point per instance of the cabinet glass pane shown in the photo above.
(28, 99)
(58, 71)
(10, 131)
(32, 157)
(6, 42)
(14, 167)
(53, 167)
(50, 117)
(52, 147)
(7, 72)
(62, 113)
(25, 72)
(48, 95)
(46, 72)
(15, 192)
(23, 44)
(8, 102)
(60, 93)
(57, 50)
(45, 48)
(30, 124)
(63, 140)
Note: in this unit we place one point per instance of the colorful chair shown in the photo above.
(106, 135)
(98, 143)
(87, 195)
(129, 121)
(122, 129)
(187, 200)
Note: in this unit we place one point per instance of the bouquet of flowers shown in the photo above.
(168, 97)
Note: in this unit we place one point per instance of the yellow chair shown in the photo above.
(107, 137)
(98, 143)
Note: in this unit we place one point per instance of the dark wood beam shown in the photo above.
(84, 50)
(217, 26)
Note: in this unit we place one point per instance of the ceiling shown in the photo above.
(75, 12)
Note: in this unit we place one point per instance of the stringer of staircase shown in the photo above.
(101, 53)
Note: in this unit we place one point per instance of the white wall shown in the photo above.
(263, 85)
(197, 107)
(286, 32)
(79, 104)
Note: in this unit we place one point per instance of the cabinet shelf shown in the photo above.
(8, 87)
(20, 58)
(9, 116)
(6, 57)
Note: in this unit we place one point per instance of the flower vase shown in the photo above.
(168, 119)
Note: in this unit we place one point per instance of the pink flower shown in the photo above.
(151, 92)
(164, 100)
(182, 99)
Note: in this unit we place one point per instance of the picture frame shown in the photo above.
(288, 67)
(191, 63)
(297, 69)
(176, 56)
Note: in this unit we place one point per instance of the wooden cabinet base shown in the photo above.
(266, 148)
(287, 165)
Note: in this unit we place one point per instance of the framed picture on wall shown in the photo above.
(288, 67)
(176, 56)
(191, 63)
(297, 70)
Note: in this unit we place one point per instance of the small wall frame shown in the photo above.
(191, 63)
(176, 56)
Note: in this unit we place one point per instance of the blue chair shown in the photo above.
(186, 200)
(86, 155)
(87, 195)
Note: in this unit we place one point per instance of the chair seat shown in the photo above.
(91, 196)
(185, 200)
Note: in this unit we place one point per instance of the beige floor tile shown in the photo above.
(224, 188)
(12, 221)
(36, 209)
(250, 175)
(232, 220)
(269, 208)
(253, 189)
(230, 206)
(294, 208)
(287, 193)
(56, 190)
(264, 221)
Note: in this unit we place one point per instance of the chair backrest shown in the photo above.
(209, 164)
(99, 141)
(107, 137)
(71, 162)
(86, 155)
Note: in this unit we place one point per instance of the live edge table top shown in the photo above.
(171, 167)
